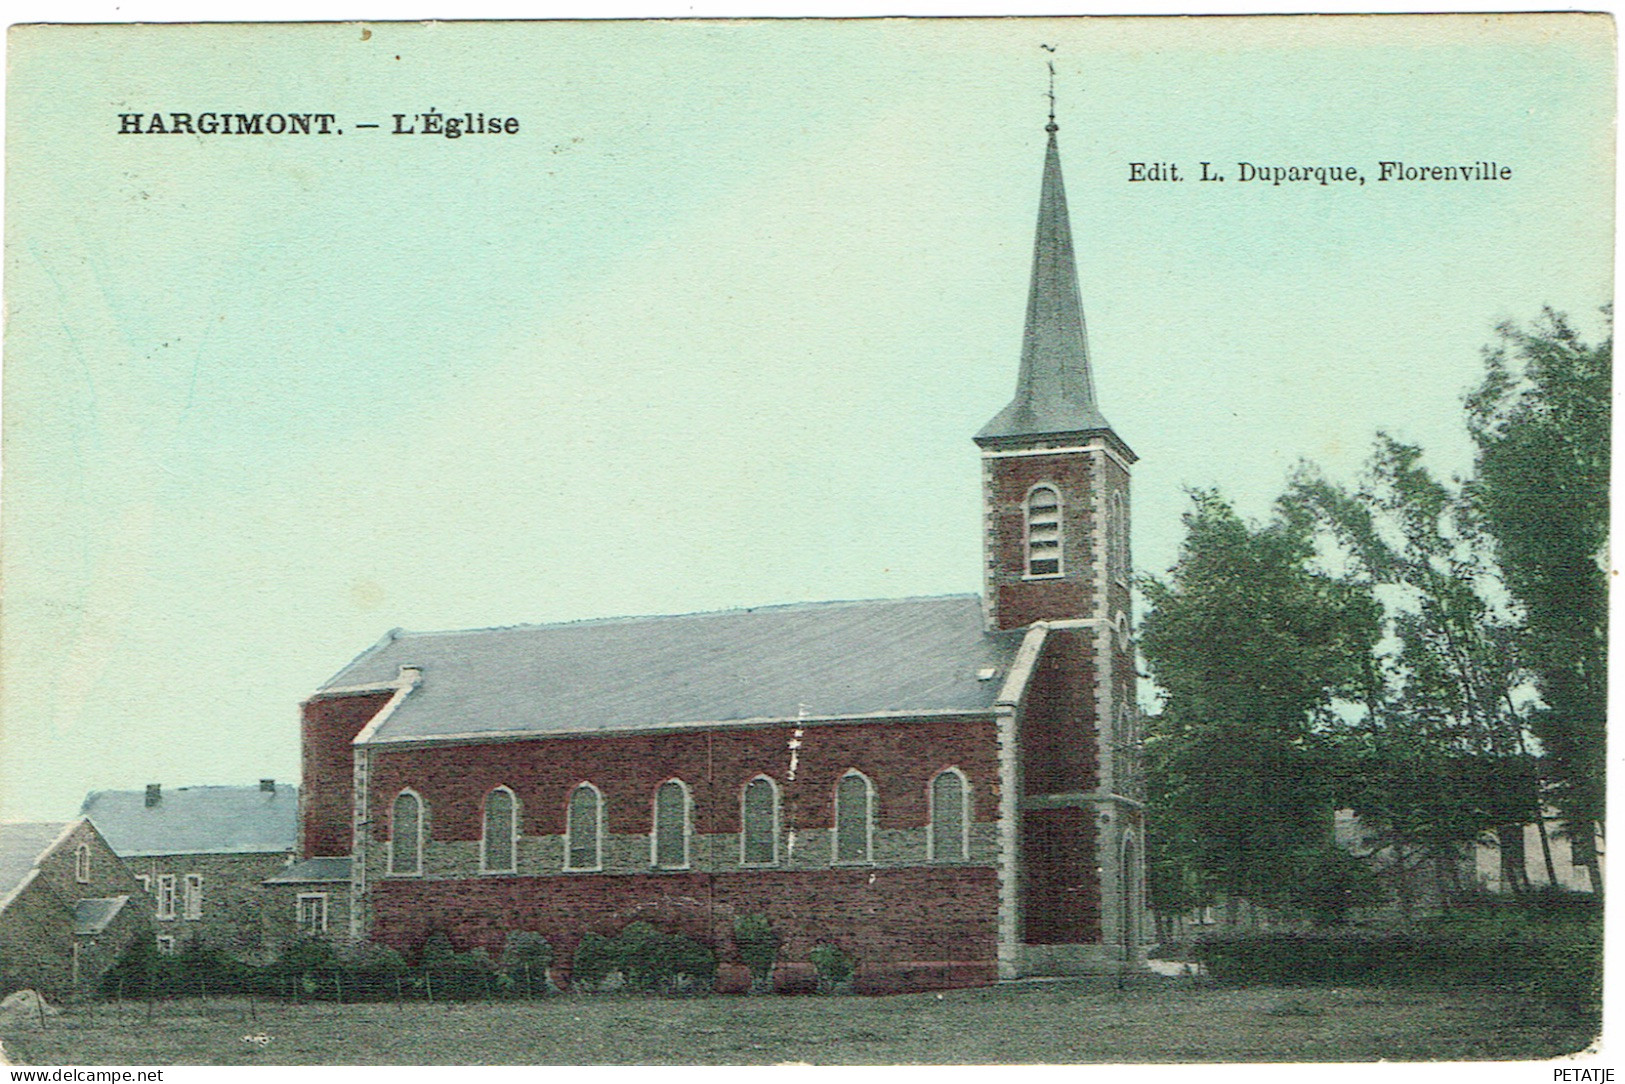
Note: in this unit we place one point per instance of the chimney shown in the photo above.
(268, 786)
(155, 792)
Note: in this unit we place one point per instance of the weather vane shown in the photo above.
(1051, 126)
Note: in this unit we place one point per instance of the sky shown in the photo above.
(713, 329)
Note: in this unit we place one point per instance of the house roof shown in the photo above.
(91, 916)
(22, 844)
(313, 871)
(196, 820)
(1055, 390)
(811, 660)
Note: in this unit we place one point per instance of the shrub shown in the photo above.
(758, 945)
(647, 958)
(526, 956)
(653, 960)
(1551, 953)
(595, 958)
(834, 966)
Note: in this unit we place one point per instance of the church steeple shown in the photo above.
(1055, 392)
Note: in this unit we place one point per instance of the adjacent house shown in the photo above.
(68, 907)
(203, 854)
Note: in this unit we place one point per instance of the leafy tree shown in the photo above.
(1540, 421)
(1441, 758)
(1251, 647)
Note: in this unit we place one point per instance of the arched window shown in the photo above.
(81, 863)
(950, 816)
(406, 834)
(1043, 532)
(583, 827)
(668, 842)
(854, 818)
(759, 820)
(1117, 535)
(501, 830)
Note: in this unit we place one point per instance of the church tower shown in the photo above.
(1056, 564)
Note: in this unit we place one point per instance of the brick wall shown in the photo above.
(329, 723)
(886, 919)
(900, 757)
(900, 909)
(1017, 602)
(1060, 890)
(1058, 740)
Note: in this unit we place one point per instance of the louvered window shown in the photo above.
(1043, 532)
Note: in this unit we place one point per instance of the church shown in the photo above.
(946, 789)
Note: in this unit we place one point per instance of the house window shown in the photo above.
(582, 829)
(146, 882)
(497, 844)
(166, 895)
(759, 818)
(312, 912)
(950, 817)
(854, 818)
(192, 899)
(406, 834)
(166, 944)
(81, 863)
(1043, 532)
(668, 843)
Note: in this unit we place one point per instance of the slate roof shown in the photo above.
(91, 916)
(313, 871)
(1055, 391)
(196, 820)
(21, 846)
(886, 656)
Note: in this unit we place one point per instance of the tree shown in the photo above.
(1441, 756)
(1250, 648)
(1540, 421)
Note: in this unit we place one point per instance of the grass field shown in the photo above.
(1036, 1022)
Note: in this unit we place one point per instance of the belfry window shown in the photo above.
(582, 829)
(497, 843)
(854, 818)
(668, 843)
(1043, 532)
(759, 817)
(406, 834)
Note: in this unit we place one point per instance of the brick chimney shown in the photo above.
(268, 786)
(155, 794)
